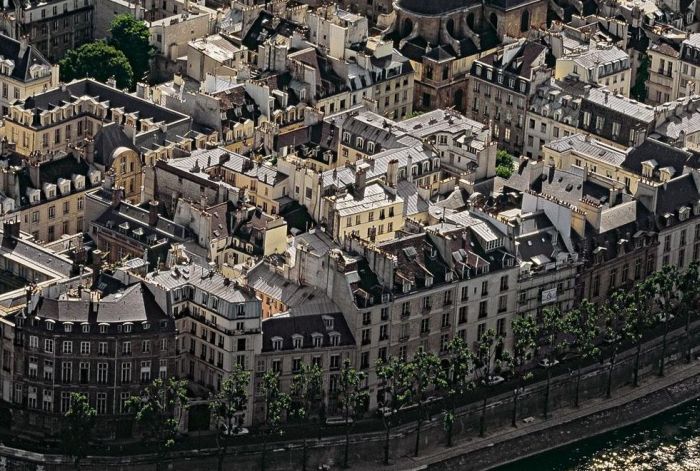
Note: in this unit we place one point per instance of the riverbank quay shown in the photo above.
(501, 445)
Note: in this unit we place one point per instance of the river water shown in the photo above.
(667, 442)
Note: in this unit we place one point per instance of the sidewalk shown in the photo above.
(531, 437)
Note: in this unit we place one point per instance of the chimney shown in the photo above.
(90, 151)
(117, 195)
(361, 181)
(23, 44)
(35, 174)
(152, 213)
(10, 230)
(392, 173)
(96, 266)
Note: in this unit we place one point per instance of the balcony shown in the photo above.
(425, 333)
(383, 338)
(447, 302)
(405, 315)
(404, 338)
(366, 341)
(427, 307)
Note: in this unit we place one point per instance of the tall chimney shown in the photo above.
(361, 181)
(90, 151)
(117, 195)
(10, 230)
(392, 173)
(96, 266)
(152, 213)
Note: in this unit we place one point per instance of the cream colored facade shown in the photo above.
(264, 188)
(127, 173)
(12, 89)
(50, 220)
(375, 217)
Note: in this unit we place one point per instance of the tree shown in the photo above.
(98, 60)
(524, 331)
(306, 396)
(504, 164)
(131, 36)
(455, 379)
(689, 287)
(423, 370)
(582, 325)
(77, 427)
(486, 363)
(159, 411)
(276, 405)
(550, 342)
(614, 313)
(395, 384)
(352, 397)
(231, 399)
(661, 286)
(639, 90)
(638, 322)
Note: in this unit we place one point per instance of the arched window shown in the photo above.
(525, 21)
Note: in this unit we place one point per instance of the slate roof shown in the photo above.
(101, 92)
(434, 7)
(109, 138)
(134, 304)
(24, 58)
(305, 325)
(664, 155)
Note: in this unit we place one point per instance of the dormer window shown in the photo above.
(49, 324)
(317, 340)
(648, 167)
(68, 327)
(359, 142)
(370, 147)
(297, 341)
(328, 322)
(127, 327)
(277, 343)
(86, 328)
(406, 286)
(146, 325)
(346, 137)
(683, 213)
(428, 281)
(334, 338)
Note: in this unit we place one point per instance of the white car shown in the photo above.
(494, 380)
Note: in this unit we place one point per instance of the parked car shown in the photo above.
(547, 363)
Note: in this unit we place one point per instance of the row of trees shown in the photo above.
(588, 332)
(124, 56)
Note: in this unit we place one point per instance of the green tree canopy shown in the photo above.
(504, 164)
(77, 427)
(130, 36)
(98, 60)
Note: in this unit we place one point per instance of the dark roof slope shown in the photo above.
(24, 57)
(286, 327)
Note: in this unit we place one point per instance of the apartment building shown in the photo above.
(104, 345)
(606, 66)
(312, 339)
(218, 320)
(53, 27)
(62, 118)
(674, 71)
(24, 72)
(502, 86)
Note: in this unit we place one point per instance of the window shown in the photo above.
(483, 309)
(335, 362)
(425, 326)
(595, 289)
(146, 346)
(67, 346)
(484, 288)
(126, 348)
(503, 303)
(67, 372)
(145, 371)
(101, 405)
(84, 372)
(48, 370)
(102, 348)
(48, 346)
(501, 327)
(504, 283)
(462, 318)
(102, 373)
(465, 293)
(84, 348)
(445, 321)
